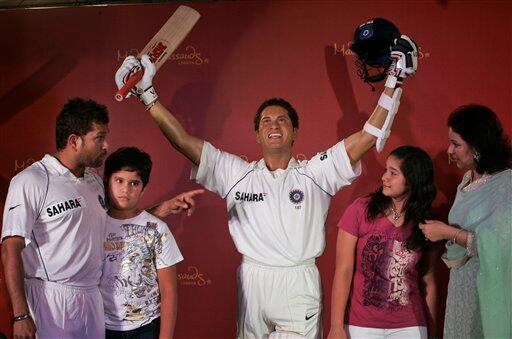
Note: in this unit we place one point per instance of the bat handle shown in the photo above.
(132, 81)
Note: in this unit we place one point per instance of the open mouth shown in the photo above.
(274, 135)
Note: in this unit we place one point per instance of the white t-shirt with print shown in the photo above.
(134, 250)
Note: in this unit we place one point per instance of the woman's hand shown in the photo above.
(435, 230)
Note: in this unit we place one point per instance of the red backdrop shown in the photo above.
(239, 54)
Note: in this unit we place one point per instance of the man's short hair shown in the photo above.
(292, 113)
(77, 117)
(129, 159)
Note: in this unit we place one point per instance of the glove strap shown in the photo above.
(149, 96)
(391, 81)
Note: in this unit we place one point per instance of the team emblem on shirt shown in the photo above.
(296, 196)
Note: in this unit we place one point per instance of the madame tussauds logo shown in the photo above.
(344, 49)
(191, 56)
(192, 277)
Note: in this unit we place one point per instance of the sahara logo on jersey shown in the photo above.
(64, 206)
(246, 196)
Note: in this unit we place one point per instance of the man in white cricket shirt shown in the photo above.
(54, 228)
(277, 207)
(53, 231)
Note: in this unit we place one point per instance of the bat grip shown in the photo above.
(132, 81)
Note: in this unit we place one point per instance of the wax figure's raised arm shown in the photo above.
(187, 144)
(376, 131)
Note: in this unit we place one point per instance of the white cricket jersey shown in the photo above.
(135, 249)
(62, 219)
(277, 218)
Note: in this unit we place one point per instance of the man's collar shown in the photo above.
(293, 163)
(55, 164)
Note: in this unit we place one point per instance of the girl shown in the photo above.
(376, 289)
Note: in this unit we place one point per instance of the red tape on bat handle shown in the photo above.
(132, 81)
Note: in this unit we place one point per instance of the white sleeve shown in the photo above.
(218, 171)
(167, 252)
(22, 205)
(331, 170)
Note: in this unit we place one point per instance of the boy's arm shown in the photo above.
(168, 285)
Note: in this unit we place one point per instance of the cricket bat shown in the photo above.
(164, 43)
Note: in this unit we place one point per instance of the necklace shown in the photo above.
(396, 215)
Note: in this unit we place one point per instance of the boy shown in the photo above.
(138, 286)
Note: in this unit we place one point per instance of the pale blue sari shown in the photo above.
(479, 302)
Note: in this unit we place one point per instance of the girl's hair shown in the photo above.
(418, 170)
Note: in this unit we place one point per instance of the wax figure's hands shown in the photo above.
(404, 54)
(337, 333)
(435, 230)
(24, 329)
(182, 202)
(144, 89)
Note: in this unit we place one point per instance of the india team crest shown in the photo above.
(296, 196)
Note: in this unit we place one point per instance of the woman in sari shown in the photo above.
(479, 233)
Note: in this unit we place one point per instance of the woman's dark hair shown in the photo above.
(418, 170)
(480, 128)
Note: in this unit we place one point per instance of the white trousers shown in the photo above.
(414, 332)
(61, 311)
(279, 302)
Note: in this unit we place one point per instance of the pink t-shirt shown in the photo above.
(385, 292)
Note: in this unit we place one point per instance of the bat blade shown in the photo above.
(164, 43)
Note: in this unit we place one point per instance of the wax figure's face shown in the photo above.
(92, 147)
(276, 131)
(460, 151)
(394, 184)
(125, 188)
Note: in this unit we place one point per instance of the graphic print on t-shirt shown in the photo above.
(384, 265)
(135, 248)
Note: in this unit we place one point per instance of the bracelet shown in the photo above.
(454, 240)
(21, 317)
(471, 248)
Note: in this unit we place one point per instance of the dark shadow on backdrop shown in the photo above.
(35, 86)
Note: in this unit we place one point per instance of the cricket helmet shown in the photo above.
(372, 46)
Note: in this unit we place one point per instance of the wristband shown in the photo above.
(149, 96)
(21, 317)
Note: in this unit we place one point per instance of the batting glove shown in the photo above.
(144, 88)
(404, 54)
